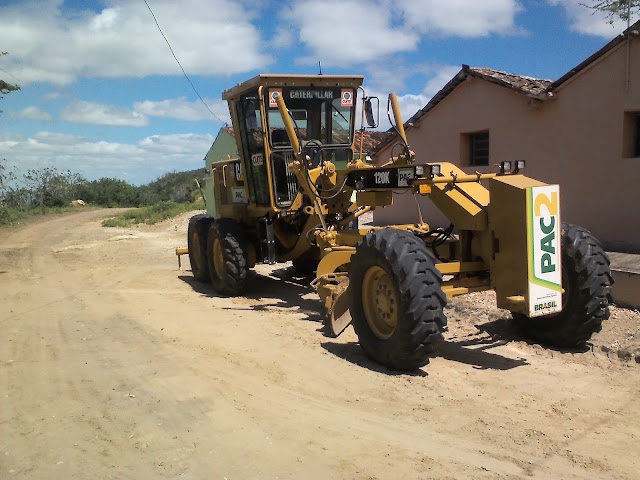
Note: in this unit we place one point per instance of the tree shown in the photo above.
(623, 9)
(6, 177)
(4, 86)
(7, 87)
(108, 192)
(51, 188)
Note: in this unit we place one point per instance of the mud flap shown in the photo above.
(333, 289)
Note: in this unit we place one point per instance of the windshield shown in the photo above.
(321, 114)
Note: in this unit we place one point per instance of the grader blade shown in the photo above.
(339, 315)
(333, 289)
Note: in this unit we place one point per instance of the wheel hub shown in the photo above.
(218, 257)
(380, 302)
(195, 246)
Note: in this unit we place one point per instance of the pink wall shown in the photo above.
(574, 139)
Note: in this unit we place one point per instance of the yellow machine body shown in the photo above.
(300, 184)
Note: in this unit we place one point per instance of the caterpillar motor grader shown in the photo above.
(300, 183)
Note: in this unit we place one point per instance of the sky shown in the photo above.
(102, 95)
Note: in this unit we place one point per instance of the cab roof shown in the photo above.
(284, 80)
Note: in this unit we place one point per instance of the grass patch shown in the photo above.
(11, 216)
(151, 214)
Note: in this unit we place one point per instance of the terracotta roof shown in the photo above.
(372, 140)
(534, 87)
(521, 83)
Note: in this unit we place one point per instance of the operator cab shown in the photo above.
(322, 110)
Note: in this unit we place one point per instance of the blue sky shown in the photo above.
(103, 96)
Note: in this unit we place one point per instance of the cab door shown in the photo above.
(252, 140)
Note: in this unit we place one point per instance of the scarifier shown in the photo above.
(300, 183)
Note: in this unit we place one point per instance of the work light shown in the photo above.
(505, 166)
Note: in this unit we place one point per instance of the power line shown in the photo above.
(181, 67)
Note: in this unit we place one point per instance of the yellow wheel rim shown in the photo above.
(380, 302)
(218, 257)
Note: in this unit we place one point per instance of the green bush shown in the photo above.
(10, 216)
(50, 190)
(108, 192)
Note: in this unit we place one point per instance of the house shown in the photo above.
(581, 131)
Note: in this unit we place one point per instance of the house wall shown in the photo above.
(575, 139)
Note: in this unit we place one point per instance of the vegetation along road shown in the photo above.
(114, 364)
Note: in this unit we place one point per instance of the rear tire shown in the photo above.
(227, 256)
(197, 242)
(396, 299)
(587, 281)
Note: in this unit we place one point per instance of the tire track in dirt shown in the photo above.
(124, 368)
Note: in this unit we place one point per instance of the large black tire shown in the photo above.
(586, 279)
(397, 300)
(227, 255)
(197, 242)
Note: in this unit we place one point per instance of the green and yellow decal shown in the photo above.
(543, 245)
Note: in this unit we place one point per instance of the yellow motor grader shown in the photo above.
(300, 183)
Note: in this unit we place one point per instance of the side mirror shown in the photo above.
(372, 120)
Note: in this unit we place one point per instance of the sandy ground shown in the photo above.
(114, 364)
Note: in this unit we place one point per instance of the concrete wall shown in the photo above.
(576, 139)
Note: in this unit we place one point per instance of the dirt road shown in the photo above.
(116, 365)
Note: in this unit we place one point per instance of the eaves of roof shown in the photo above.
(632, 32)
(533, 87)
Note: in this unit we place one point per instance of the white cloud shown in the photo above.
(137, 163)
(386, 27)
(100, 114)
(54, 138)
(175, 108)
(49, 97)
(461, 18)
(343, 40)
(31, 113)
(183, 109)
(283, 38)
(436, 77)
(56, 46)
(439, 78)
(591, 22)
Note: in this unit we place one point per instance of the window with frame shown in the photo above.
(635, 134)
(478, 148)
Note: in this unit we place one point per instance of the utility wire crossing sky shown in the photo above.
(131, 89)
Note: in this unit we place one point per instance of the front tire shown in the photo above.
(586, 278)
(397, 299)
(227, 256)
(197, 243)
